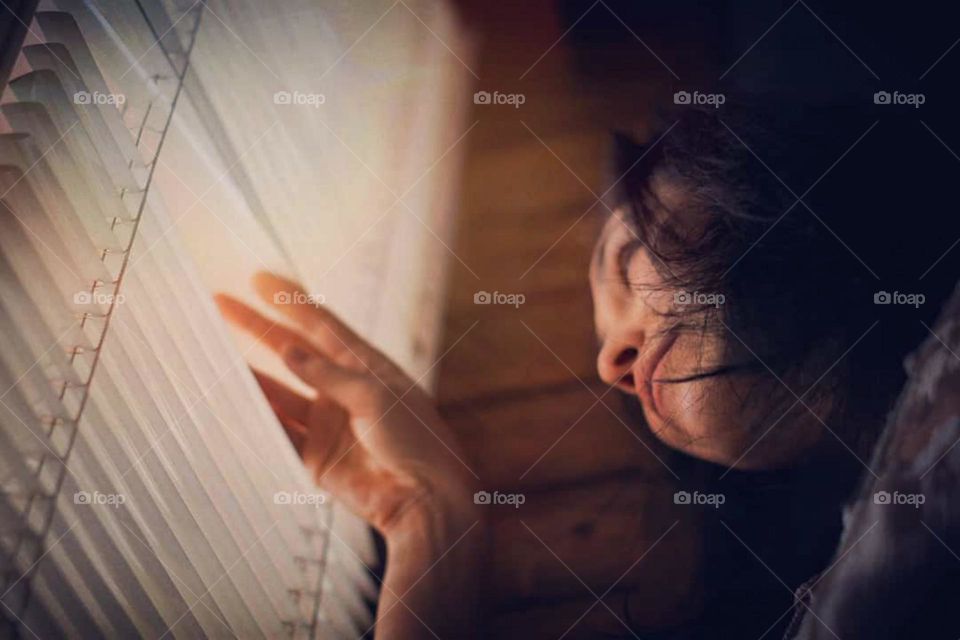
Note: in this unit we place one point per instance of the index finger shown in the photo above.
(262, 329)
(329, 333)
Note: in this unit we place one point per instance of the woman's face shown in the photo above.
(644, 352)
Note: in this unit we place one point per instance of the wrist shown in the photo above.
(437, 553)
(437, 517)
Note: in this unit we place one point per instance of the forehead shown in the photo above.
(666, 200)
(616, 237)
(612, 227)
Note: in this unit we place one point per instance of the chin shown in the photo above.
(696, 444)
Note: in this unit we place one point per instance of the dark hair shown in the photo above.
(795, 217)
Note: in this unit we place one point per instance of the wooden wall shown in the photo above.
(519, 384)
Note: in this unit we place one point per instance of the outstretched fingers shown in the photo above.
(325, 330)
(321, 433)
(361, 394)
(262, 329)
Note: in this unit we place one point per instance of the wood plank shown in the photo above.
(624, 532)
(540, 251)
(596, 499)
(518, 348)
(588, 618)
(553, 437)
(523, 176)
(520, 237)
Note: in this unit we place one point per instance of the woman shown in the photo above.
(739, 318)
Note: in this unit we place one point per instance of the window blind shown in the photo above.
(152, 152)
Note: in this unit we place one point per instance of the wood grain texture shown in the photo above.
(519, 384)
(559, 543)
(554, 436)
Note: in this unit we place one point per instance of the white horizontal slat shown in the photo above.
(156, 410)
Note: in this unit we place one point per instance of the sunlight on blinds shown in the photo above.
(152, 153)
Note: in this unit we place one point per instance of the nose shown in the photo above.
(616, 361)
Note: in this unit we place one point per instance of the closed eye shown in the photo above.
(719, 371)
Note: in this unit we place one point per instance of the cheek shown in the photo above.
(686, 410)
(705, 418)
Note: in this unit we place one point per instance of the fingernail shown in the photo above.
(296, 354)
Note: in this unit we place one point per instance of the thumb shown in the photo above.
(360, 394)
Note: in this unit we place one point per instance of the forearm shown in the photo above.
(431, 588)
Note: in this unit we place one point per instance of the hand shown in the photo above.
(371, 437)
(375, 441)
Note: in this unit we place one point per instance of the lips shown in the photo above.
(648, 370)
